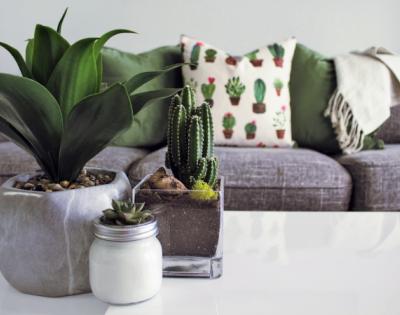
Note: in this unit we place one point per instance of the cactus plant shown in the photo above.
(280, 122)
(195, 55)
(250, 130)
(253, 58)
(125, 213)
(234, 88)
(277, 52)
(228, 122)
(208, 90)
(190, 141)
(278, 84)
(259, 94)
(210, 55)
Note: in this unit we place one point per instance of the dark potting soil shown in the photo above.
(188, 227)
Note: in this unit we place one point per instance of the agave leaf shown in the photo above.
(75, 75)
(48, 48)
(89, 129)
(29, 54)
(78, 74)
(100, 44)
(59, 26)
(16, 137)
(32, 111)
(141, 100)
(142, 78)
(18, 58)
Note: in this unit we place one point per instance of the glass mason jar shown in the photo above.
(125, 262)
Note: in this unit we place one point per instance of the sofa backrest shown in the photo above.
(390, 130)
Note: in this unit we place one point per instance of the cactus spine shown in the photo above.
(190, 141)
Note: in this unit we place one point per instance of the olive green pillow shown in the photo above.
(150, 124)
(312, 83)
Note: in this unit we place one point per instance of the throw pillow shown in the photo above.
(249, 95)
(312, 83)
(150, 124)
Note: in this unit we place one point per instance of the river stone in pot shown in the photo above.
(45, 237)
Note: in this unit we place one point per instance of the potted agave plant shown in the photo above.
(234, 88)
(208, 91)
(59, 114)
(189, 203)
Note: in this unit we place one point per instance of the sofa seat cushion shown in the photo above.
(14, 160)
(376, 178)
(272, 179)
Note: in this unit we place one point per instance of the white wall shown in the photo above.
(237, 26)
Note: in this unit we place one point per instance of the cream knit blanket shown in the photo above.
(368, 83)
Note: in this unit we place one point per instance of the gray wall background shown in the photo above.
(330, 27)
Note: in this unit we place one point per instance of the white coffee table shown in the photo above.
(274, 263)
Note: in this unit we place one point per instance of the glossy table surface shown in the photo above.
(274, 263)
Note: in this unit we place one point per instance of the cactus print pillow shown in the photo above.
(249, 95)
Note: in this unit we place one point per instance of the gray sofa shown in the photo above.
(272, 179)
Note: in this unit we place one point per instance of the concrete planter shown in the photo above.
(45, 237)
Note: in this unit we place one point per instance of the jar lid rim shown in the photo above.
(125, 233)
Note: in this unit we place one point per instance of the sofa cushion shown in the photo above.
(272, 179)
(376, 178)
(390, 130)
(14, 160)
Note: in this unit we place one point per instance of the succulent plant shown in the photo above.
(195, 55)
(190, 141)
(228, 121)
(250, 127)
(259, 91)
(279, 121)
(234, 88)
(210, 55)
(125, 213)
(57, 111)
(208, 89)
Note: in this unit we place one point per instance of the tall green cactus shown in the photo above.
(195, 55)
(259, 90)
(190, 140)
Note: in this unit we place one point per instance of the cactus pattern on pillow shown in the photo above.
(248, 95)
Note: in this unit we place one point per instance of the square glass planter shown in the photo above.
(191, 230)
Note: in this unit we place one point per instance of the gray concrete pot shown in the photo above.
(45, 237)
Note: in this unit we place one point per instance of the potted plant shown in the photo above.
(210, 55)
(278, 53)
(234, 88)
(208, 91)
(230, 60)
(58, 113)
(280, 122)
(253, 58)
(126, 257)
(250, 130)
(188, 204)
(195, 55)
(278, 84)
(259, 95)
(228, 122)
